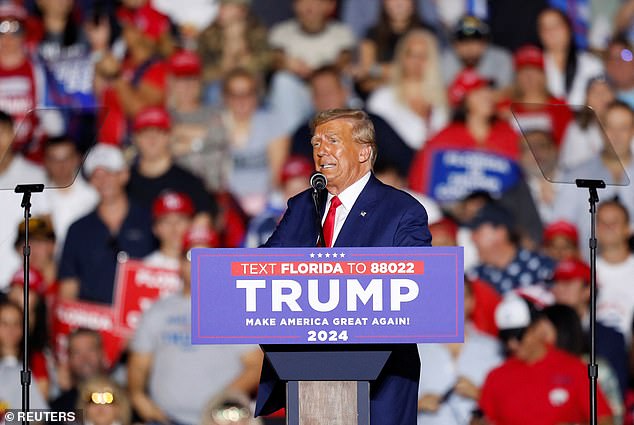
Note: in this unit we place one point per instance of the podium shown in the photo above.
(327, 319)
(326, 386)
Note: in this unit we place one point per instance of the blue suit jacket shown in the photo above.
(381, 216)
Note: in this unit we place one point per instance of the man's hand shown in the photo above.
(466, 388)
(429, 403)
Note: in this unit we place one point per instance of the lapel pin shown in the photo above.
(363, 213)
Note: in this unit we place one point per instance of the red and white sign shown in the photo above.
(138, 287)
(70, 315)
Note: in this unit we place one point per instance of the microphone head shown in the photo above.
(318, 181)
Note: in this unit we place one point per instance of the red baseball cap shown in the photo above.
(10, 9)
(570, 269)
(528, 56)
(172, 202)
(464, 83)
(36, 280)
(296, 166)
(154, 116)
(199, 237)
(561, 228)
(185, 63)
(148, 20)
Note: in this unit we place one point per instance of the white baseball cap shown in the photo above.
(104, 156)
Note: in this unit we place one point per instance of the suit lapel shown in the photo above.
(361, 213)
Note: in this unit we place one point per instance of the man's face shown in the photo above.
(487, 237)
(171, 227)
(313, 14)
(573, 293)
(328, 92)
(153, 143)
(470, 51)
(108, 183)
(61, 162)
(241, 97)
(526, 346)
(612, 226)
(341, 159)
(85, 357)
(560, 248)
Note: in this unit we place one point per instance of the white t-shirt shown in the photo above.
(314, 49)
(20, 171)
(162, 261)
(413, 129)
(615, 297)
(68, 205)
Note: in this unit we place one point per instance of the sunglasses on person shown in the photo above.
(11, 26)
(105, 397)
(516, 334)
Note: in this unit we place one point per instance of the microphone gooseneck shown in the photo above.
(318, 182)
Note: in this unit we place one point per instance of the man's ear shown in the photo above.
(365, 153)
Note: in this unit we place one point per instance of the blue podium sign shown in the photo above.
(327, 295)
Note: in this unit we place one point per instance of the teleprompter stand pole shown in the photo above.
(25, 374)
(593, 368)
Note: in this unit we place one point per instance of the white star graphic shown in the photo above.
(334, 254)
(342, 255)
(319, 255)
(312, 255)
(327, 255)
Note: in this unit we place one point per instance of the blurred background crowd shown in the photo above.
(199, 113)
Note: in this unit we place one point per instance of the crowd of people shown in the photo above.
(158, 126)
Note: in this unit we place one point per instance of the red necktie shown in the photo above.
(329, 223)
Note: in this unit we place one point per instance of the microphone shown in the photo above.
(318, 181)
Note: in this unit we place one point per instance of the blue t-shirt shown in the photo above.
(90, 251)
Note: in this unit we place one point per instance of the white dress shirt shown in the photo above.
(348, 197)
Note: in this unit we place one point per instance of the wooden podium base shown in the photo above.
(328, 403)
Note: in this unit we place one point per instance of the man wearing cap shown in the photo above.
(503, 263)
(471, 49)
(571, 287)
(155, 171)
(172, 214)
(538, 384)
(199, 143)
(138, 82)
(115, 231)
(169, 379)
(561, 240)
(363, 212)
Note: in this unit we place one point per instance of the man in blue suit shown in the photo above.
(362, 212)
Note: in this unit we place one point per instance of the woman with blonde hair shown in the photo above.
(103, 402)
(415, 102)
